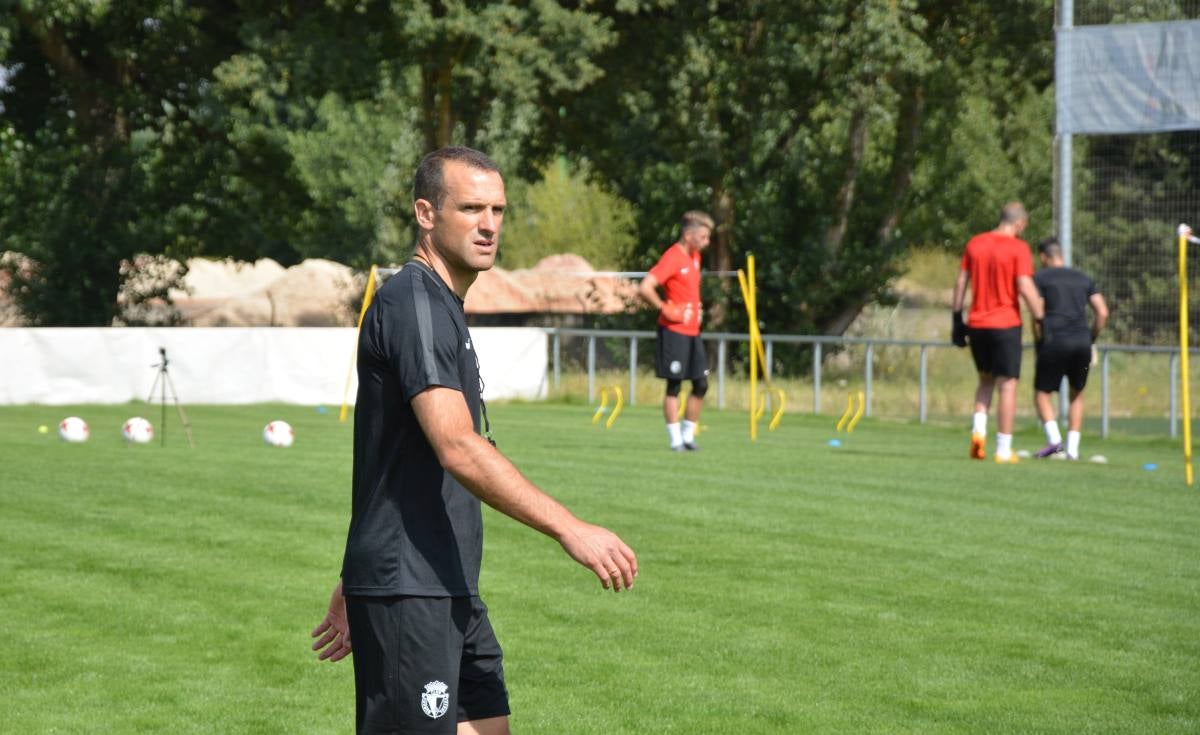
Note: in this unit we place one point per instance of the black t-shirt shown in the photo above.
(414, 530)
(1066, 292)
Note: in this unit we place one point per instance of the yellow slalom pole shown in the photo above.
(616, 408)
(1184, 339)
(368, 295)
(752, 309)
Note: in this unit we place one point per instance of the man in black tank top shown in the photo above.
(1064, 346)
(425, 656)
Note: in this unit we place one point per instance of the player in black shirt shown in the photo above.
(425, 657)
(1064, 345)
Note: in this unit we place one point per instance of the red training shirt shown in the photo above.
(679, 273)
(994, 261)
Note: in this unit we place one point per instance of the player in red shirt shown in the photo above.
(999, 268)
(680, 352)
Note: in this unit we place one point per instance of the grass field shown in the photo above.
(887, 586)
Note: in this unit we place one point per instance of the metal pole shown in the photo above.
(721, 373)
(770, 359)
(557, 358)
(632, 400)
(924, 380)
(1104, 394)
(592, 368)
(817, 377)
(869, 369)
(1067, 20)
(1174, 393)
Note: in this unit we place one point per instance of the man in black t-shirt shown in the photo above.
(425, 657)
(1064, 345)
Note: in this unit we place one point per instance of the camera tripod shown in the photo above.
(163, 383)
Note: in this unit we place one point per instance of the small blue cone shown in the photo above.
(321, 409)
(1149, 467)
(835, 442)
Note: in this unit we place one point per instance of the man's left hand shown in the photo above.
(958, 330)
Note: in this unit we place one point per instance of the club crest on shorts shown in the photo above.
(435, 700)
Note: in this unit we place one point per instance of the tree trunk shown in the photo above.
(845, 196)
(722, 252)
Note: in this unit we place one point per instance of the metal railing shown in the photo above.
(818, 342)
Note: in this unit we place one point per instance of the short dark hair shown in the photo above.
(693, 219)
(1012, 213)
(428, 183)
(1050, 248)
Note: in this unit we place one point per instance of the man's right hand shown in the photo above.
(602, 551)
(672, 312)
(958, 330)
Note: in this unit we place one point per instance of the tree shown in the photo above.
(804, 128)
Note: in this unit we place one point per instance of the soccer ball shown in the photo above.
(73, 429)
(279, 434)
(137, 430)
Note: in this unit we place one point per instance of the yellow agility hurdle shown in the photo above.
(618, 404)
(851, 416)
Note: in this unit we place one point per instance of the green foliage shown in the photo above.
(824, 137)
(566, 212)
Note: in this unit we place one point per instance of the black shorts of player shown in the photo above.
(997, 351)
(1069, 358)
(679, 356)
(424, 664)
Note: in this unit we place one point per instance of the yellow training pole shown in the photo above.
(752, 309)
(841, 424)
(367, 296)
(1184, 375)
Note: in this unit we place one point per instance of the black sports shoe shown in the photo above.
(691, 446)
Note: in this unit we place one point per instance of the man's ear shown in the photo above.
(423, 209)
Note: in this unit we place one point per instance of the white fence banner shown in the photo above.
(1131, 78)
(304, 365)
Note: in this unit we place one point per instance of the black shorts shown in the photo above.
(996, 351)
(424, 664)
(679, 356)
(1069, 359)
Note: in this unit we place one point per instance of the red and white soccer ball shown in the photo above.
(137, 430)
(73, 429)
(279, 434)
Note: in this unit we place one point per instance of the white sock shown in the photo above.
(1003, 444)
(1052, 434)
(980, 424)
(674, 434)
(689, 431)
(1073, 444)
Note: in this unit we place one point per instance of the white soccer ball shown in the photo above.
(137, 430)
(73, 429)
(279, 434)
(1099, 459)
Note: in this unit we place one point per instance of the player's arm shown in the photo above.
(1101, 308)
(334, 629)
(958, 328)
(648, 290)
(446, 421)
(1032, 298)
